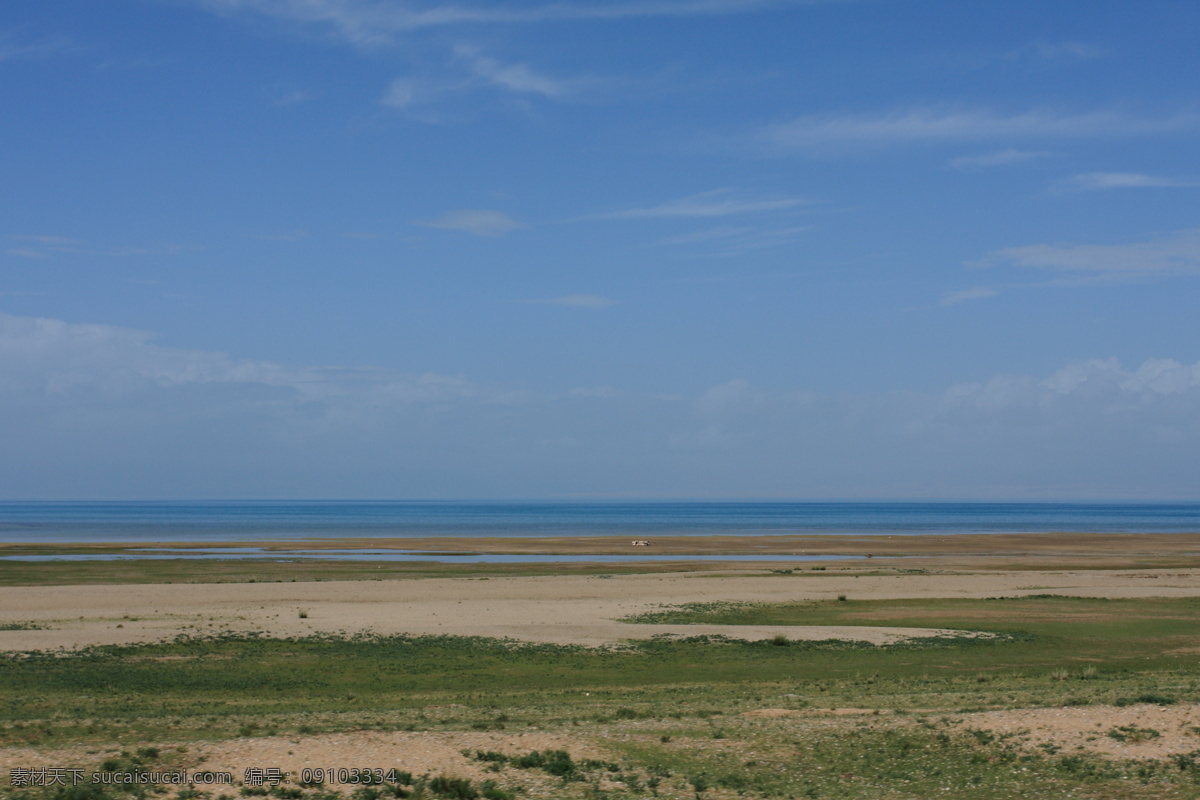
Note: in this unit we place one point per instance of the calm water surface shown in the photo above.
(220, 521)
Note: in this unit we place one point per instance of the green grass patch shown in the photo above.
(1047, 631)
(669, 710)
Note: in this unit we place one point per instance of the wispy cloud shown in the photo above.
(519, 78)
(472, 71)
(375, 22)
(47, 241)
(293, 98)
(924, 126)
(86, 354)
(726, 240)
(13, 48)
(25, 252)
(716, 203)
(283, 236)
(976, 293)
(721, 232)
(999, 158)
(403, 94)
(46, 246)
(475, 222)
(1058, 51)
(1095, 181)
(578, 301)
(1176, 253)
(75, 394)
(1073, 265)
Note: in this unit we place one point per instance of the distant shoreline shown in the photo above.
(735, 548)
(269, 523)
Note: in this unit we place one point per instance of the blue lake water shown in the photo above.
(241, 521)
(252, 553)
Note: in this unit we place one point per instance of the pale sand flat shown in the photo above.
(1175, 728)
(562, 609)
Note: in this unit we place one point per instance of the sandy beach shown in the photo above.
(562, 609)
(588, 609)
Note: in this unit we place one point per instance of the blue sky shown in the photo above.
(653, 248)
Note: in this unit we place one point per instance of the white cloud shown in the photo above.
(61, 244)
(417, 96)
(1102, 380)
(375, 22)
(725, 240)
(1162, 376)
(105, 411)
(12, 49)
(293, 98)
(999, 158)
(715, 203)
(1094, 181)
(52, 357)
(922, 126)
(733, 396)
(475, 222)
(578, 301)
(519, 78)
(977, 293)
(708, 235)
(1091, 429)
(1176, 253)
(47, 241)
(405, 92)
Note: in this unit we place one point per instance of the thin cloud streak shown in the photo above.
(61, 245)
(976, 293)
(577, 301)
(12, 50)
(1175, 254)
(1000, 158)
(472, 71)
(1099, 181)
(923, 126)
(716, 203)
(519, 78)
(708, 235)
(366, 23)
(736, 241)
(49, 241)
(477, 222)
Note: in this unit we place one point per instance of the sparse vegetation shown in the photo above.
(1132, 733)
(669, 714)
